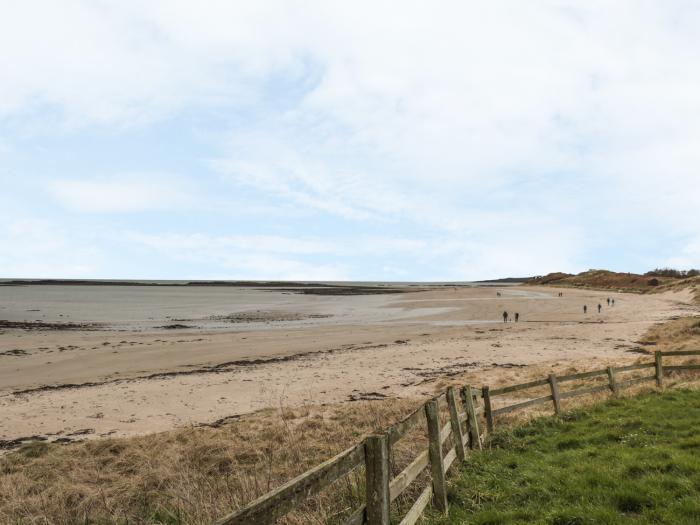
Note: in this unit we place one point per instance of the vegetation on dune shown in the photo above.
(654, 281)
(677, 334)
(671, 272)
(624, 461)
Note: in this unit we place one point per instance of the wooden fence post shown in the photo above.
(377, 479)
(472, 421)
(611, 380)
(555, 393)
(487, 408)
(437, 466)
(463, 397)
(456, 425)
(659, 369)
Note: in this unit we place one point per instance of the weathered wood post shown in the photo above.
(611, 381)
(659, 369)
(555, 393)
(463, 397)
(472, 420)
(437, 466)
(377, 479)
(454, 422)
(487, 408)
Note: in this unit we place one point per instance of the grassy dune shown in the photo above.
(624, 461)
(678, 334)
(619, 281)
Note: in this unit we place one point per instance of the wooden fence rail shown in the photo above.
(461, 431)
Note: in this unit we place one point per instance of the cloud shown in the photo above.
(272, 164)
(128, 63)
(362, 257)
(121, 194)
(494, 138)
(35, 248)
(687, 257)
(255, 257)
(199, 243)
(208, 245)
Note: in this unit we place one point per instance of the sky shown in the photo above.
(363, 140)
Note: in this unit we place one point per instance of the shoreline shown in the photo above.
(117, 384)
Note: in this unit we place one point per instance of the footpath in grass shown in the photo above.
(625, 461)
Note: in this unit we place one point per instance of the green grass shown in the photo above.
(625, 461)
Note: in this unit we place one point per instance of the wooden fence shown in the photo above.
(461, 433)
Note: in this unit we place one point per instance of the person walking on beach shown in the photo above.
(585, 309)
(505, 317)
(517, 316)
(599, 307)
(608, 301)
(613, 302)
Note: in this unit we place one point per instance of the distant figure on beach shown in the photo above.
(505, 317)
(585, 308)
(498, 294)
(613, 302)
(608, 301)
(599, 307)
(517, 316)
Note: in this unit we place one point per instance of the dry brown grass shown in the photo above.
(678, 334)
(192, 475)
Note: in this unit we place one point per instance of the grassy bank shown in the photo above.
(625, 461)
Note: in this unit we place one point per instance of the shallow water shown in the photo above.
(142, 308)
(151, 307)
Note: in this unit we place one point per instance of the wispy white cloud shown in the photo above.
(125, 63)
(270, 163)
(364, 256)
(247, 257)
(687, 257)
(35, 248)
(122, 193)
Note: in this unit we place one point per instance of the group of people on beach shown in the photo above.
(516, 316)
(611, 302)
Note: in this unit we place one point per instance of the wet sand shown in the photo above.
(120, 381)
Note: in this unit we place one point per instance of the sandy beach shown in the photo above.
(131, 377)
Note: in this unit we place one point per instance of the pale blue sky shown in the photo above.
(347, 140)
